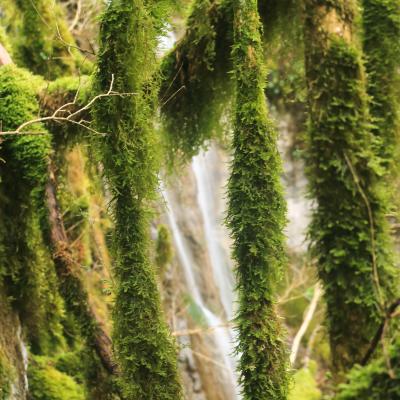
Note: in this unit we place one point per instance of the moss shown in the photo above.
(374, 381)
(256, 217)
(381, 24)
(48, 383)
(196, 84)
(46, 46)
(305, 386)
(164, 248)
(145, 352)
(349, 230)
(28, 264)
(6, 376)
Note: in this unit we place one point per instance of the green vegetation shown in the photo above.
(48, 383)
(164, 248)
(381, 23)
(305, 386)
(196, 83)
(145, 351)
(256, 217)
(70, 191)
(349, 230)
(380, 380)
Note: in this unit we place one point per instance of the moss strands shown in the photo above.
(349, 231)
(144, 348)
(381, 45)
(256, 217)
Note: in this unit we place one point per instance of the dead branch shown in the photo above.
(306, 323)
(59, 115)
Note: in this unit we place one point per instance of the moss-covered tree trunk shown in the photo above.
(381, 44)
(142, 342)
(349, 230)
(256, 216)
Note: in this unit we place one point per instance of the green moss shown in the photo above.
(381, 22)
(374, 382)
(196, 84)
(6, 376)
(256, 217)
(164, 248)
(48, 383)
(27, 262)
(349, 230)
(305, 386)
(46, 46)
(145, 352)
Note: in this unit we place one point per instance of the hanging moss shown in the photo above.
(256, 217)
(196, 84)
(27, 263)
(46, 46)
(374, 381)
(144, 349)
(381, 22)
(349, 231)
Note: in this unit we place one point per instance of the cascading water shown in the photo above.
(220, 333)
(206, 197)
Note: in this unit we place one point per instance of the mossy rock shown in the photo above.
(48, 383)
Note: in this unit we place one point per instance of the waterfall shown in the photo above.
(222, 337)
(207, 201)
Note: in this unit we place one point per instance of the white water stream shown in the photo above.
(222, 337)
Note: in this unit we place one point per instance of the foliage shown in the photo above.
(196, 84)
(256, 217)
(381, 22)
(305, 386)
(349, 230)
(5, 376)
(46, 43)
(27, 262)
(374, 381)
(143, 346)
(164, 249)
(48, 383)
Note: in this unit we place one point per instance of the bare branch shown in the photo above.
(59, 114)
(306, 322)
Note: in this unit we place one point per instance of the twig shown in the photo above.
(306, 322)
(63, 109)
